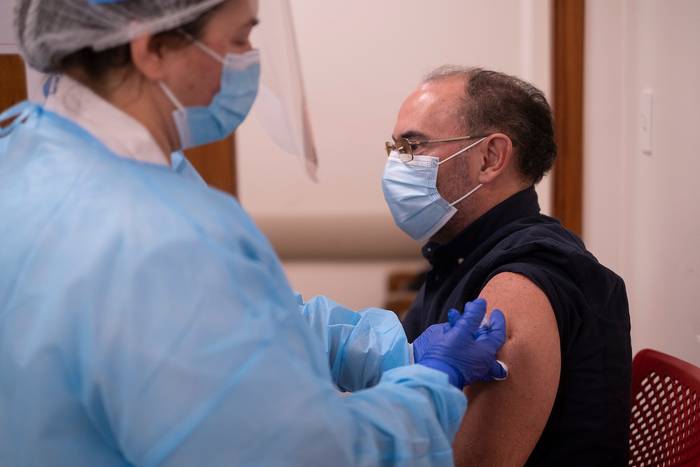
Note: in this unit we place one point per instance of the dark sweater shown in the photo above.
(588, 425)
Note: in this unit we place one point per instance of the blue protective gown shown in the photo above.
(145, 321)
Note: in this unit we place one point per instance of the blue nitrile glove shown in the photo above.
(433, 334)
(462, 349)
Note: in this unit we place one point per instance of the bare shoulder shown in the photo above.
(525, 305)
(513, 413)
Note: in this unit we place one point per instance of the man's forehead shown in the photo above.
(433, 108)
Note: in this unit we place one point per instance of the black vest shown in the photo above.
(589, 422)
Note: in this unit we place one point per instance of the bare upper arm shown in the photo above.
(505, 419)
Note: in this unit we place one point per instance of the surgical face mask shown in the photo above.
(240, 78)
(410, 190)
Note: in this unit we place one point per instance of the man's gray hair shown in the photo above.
(495, 101)
(448, 71)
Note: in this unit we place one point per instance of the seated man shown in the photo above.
(469, 146)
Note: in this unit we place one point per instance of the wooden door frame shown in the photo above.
(13, 81)
(215, 162)
(568, 30)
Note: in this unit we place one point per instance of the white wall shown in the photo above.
(642, 212)
(7, 37)
(360, 60)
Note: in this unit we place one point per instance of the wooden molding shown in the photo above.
(13, 81)
(339, 237)
(216, 162)
(568, 36)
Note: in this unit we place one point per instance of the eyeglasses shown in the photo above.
(405, 146)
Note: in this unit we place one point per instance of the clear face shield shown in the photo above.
(69, 25)
(281, 107)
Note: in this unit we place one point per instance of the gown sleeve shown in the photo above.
(360, 346)
(195, 352)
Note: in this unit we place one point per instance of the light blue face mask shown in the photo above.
(410, 190)
(240, 79)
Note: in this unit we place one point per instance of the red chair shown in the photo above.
(665, 423)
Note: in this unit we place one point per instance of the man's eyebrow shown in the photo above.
(254, 22)
(414, 135)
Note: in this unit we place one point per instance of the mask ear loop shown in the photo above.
(209, 51)
(467, 195)
(461, 151)
(166, 89)
(241, 61)
(245, 60)
(170, 95)
(203, 47)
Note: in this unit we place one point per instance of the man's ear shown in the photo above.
(496, 157)
(147, 57)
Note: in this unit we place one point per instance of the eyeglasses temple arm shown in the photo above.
(446, 140)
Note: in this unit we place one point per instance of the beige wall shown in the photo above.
(7, 38)
(360, 59)
(642, 211)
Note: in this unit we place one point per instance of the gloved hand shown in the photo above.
(462, 349)
(433, 334)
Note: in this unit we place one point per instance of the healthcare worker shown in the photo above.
(144, 320)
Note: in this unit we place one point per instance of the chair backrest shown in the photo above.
(665, 423)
